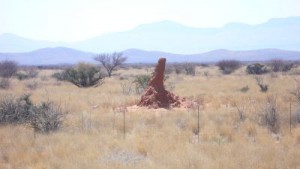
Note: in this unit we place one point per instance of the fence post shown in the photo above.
(124, 124)
(290, 118)
(198, 124)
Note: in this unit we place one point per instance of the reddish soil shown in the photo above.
(155, 95)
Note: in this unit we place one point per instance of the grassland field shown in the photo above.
(92, 136)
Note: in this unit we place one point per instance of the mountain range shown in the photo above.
(276, 38)
(62, 55)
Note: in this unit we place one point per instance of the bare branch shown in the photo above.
(110, 61)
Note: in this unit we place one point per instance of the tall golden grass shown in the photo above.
(92, 135)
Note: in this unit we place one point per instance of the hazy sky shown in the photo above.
(73, 20)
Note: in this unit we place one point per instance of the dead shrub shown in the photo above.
(270, 115)
(260, 82)
(278, 65)
(229, 66)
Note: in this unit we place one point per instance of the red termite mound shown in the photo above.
(155, 95)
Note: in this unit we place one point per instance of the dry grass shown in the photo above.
(92, 136)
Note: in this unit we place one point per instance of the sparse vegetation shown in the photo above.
(235, 116)
(189, 69)
(228, 66)
(27, 74)
(278, 65)
(4, 83)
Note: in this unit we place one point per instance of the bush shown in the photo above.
(228, 66)
(141, 82)
(31, 73)
(46, 117)
(82, 75)
(256, 69)
(262, 85)
(189, 68)
(4, 83)
(270, 116)
(61, 76)
(8, 68)
(245, 89)
(278, 65)
(14, 110)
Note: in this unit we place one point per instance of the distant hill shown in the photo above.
(45, 56)
(168, 36)
(135, 55)
(62, 55)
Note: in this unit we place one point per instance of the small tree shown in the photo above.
(8, 68)
(228, 66)
(110, 61)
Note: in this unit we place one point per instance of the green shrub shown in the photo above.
(245, 89)
(43, 118)
(141, 82)
(46, 117)
(14, 110)
(256, 69)
(82, 75)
